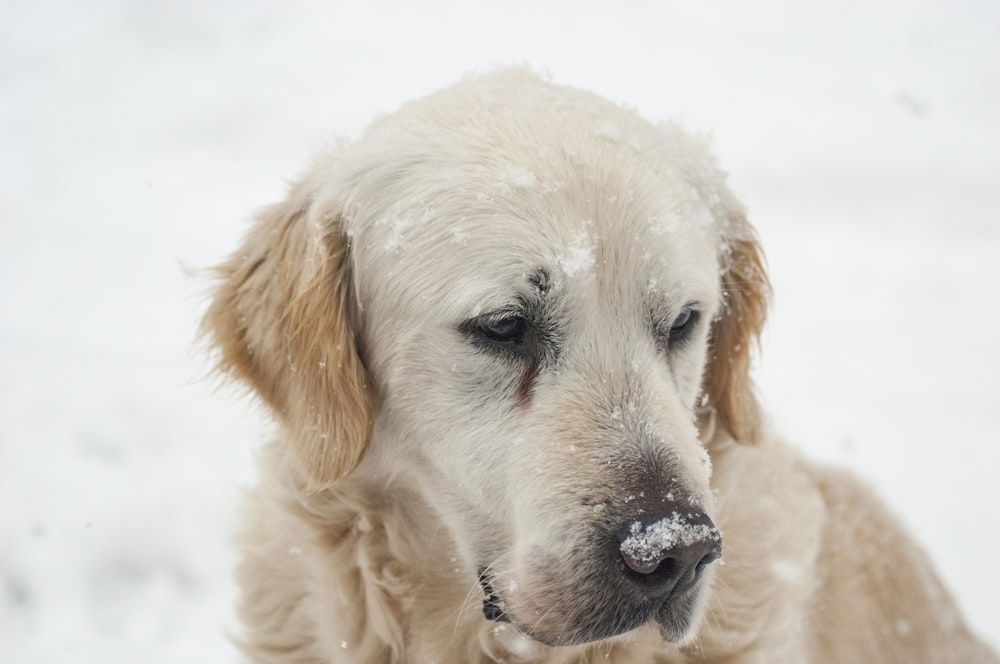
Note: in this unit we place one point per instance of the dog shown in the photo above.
(507, 336)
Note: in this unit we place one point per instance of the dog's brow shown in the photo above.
(540, 280)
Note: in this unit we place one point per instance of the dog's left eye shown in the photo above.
(682, 326)
(500, 328)
(507, 329)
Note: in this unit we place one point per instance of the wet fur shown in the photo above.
(355, 550)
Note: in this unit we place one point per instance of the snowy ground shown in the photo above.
(137, 137)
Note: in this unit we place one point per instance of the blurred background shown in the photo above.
(137, 139)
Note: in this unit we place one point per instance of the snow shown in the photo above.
(521, 177)
(645, 545)
(138, 137)
(786, 570)
(577, 259)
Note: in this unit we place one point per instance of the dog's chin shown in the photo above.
(575, 624)
(678, 620)
(579, 635)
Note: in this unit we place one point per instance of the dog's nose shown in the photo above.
(667, 555)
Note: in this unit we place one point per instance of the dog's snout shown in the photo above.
(667, 555)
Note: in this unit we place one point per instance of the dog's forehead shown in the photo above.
(460, 257)
(492, 180)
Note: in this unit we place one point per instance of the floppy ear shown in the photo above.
(282, 319)
(736, 331)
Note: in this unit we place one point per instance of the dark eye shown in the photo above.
(508, 329)
(501, 328)
(682, 325)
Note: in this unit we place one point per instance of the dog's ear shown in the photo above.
(736, 333)
(283, 320)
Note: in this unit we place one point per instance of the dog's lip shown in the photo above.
(494, 608)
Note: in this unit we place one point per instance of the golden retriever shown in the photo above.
(507, 336)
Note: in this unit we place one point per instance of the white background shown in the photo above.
(137, 138)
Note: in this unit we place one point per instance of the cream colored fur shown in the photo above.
(413, 454)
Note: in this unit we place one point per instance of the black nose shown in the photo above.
(667, 553)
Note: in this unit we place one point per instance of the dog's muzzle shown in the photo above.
(652, 575)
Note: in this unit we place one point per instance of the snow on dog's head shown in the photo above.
(514, 297)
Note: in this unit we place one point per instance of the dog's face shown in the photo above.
(514, 297)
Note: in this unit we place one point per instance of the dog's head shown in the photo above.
(515, 297)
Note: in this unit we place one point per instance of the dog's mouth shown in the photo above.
(494, 608)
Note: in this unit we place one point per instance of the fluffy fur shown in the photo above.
(509, 321)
